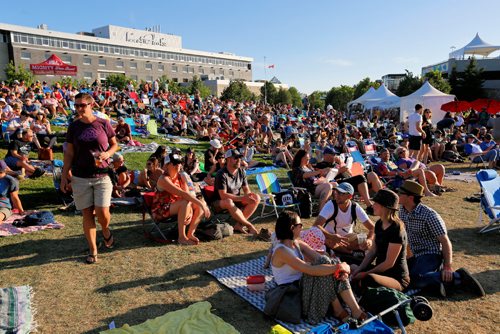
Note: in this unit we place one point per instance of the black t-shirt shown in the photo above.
(209, 154)
(232, 184)
(22, 147)
(394, 235)
(445, 123)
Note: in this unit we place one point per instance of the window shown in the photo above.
(65, 44)
(87, 75)
(231, 72)
(119, 63)
(102, 62)
(133, 65)
(185, 80)
(174, 68)
(103, 76)
(190, 69)
(161, 67)
(87, 61)
(25, 55)
(175, 80)
(201, 71)
(212, 70)
(221, 71)
(184, 69)
(66, 59)
(24, 39)
(133, 77)
(148, 66)
(149, 78)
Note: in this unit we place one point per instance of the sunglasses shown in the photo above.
(81, 105)
(298, 224)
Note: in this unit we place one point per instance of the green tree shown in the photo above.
(163, 82)
(317, 99)
(283, 96)
(338, 97)
(268, 92)
(471, 85)
(454, 81)
(20, 73)
(362, 87)
(238, 91)
(198, 85)
(175, 88)
(296, 99)
(118, 80)
(408, 84)
(436, 79)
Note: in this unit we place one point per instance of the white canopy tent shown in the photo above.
(429, 97)
(475, 47)
(360, 100)
(382, 99)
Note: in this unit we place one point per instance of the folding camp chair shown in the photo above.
(164, 231)
(67, 198)
(315, 201)
(477, 159)
(269, 186)
(489, 180)
(152, 128)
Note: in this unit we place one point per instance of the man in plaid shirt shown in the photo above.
(431, 258)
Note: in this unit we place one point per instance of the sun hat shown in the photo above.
(216, 143)
(345, 188)
(387, 198)
(412, 188)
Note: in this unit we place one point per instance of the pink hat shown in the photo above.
(314, 238)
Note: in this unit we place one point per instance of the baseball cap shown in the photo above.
(3, 166)
(3, 100)
(216, 143)
(173, 158)
(345, 188)
(121, 118)
(117, 156)
(329, 150)
(233, 153)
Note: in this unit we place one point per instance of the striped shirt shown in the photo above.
(423, 227)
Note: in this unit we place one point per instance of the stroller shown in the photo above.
(67, 198)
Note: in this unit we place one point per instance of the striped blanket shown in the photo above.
(16, 314)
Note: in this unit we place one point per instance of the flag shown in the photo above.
(270, 66)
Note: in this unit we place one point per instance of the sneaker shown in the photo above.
(37, 173)
(469, 282)
(442, 290)
(264, 235)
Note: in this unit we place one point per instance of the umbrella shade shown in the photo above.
(494, 107)
(456, 106)
(479, 104)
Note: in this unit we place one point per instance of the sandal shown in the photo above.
(106, 240)
(91, 259)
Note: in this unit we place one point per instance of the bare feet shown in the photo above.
(239, 228)
(193, 238)
(186, 242)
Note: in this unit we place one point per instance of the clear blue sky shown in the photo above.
(314, 45)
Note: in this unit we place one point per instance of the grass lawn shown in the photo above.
(139, 280)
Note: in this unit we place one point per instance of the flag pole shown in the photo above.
(265, 81)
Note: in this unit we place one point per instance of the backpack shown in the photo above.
(376, 300)
(305, 203)
(40, 218)
(354, 206)
(213, 230)
(285, 197)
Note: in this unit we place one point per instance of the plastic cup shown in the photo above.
(97, 159)
(361, 238)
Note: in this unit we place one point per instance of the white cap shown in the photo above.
(216, 143)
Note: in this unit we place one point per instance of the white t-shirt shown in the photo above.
(413, 119)
(344, 219)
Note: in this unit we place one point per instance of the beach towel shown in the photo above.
(260, 170)
(16, 313)
(46, 165)
(7, 229)
(181, 140)
(194, 319)
(146, 148)
(234, 277)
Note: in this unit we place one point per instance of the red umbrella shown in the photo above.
(481, 104)
(456, 106)
(494, 107)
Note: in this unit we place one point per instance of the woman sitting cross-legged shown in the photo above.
(389, 249)
(322, 284)
(173, 198)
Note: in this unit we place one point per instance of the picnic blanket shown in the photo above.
(16, 313)
(181, 140)
(234, 277)
(462, 176)
(46, 165)
(260, 170)
(196, 318)
(7, 229)
(146, 148)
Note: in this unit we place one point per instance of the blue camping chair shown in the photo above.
(489, 180)
(269, 186)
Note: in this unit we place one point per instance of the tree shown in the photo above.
(317, 99)
(283, 96)
(175, 88)
(362, 87)
(198, 85)
(238, 91)
(20, 73)
(296, 98)
(436, 79)
(454, 81)
(408, 84)
(163, 82)
(338, 97)
(269, 92)
(471, 85)
(118, 80)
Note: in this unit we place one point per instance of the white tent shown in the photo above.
(382, 99)
(475, 47)
(360, 100)
(429, 97)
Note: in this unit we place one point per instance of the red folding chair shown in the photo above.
(164, 231)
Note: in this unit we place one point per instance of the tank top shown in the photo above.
(286, 274)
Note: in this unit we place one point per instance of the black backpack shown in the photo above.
(376, 300)
(305, 203)
(354, 217)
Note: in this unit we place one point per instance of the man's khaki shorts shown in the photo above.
(89, 192)
(6, 212)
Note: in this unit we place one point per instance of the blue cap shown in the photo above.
(345, 188)
(3, 166)
(329, 150)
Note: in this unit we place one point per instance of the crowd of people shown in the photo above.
(406, 247)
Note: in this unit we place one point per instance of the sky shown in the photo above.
(314, 45)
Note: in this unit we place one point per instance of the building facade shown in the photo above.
(392, 81)
(139, 54)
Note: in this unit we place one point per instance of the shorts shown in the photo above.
(88, 192)
(415, 142)
(6, 212)
(12, 162)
